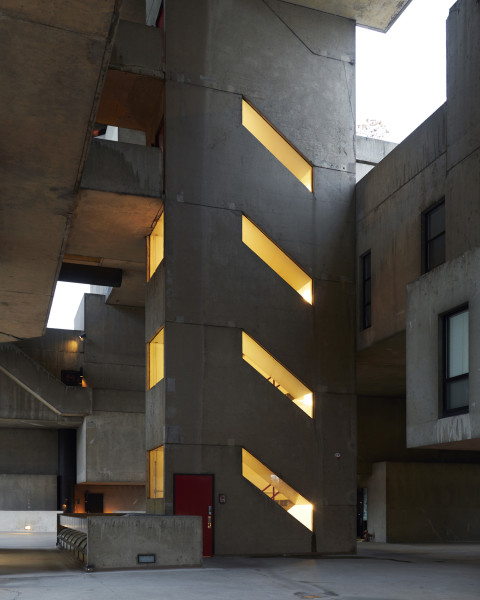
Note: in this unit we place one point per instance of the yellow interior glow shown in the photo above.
(155, 472)
(155, 359)
(277, 374)
(276, 489)
(276, 259)
(156, 246)
(267, 135)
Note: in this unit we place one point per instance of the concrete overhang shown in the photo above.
(54, 60)
(374, 14)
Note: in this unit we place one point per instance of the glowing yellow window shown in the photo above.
(155, 358)
(275, 143)
(276, 259)
(155, 246)
(155, 472)
(277, 374)
(276, 489)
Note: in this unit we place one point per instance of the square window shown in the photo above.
(455, 362)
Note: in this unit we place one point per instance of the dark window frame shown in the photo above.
(446, 380)
(366, 297)
(427, 239)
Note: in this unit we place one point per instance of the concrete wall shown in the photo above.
(110, 448)
(212, 286)
(369, 152)
(28, 492)
(443, 289)
(390, 201)
(40, 521)
(115, 542)
(417, 502)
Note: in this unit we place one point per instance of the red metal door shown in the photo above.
(194, 496)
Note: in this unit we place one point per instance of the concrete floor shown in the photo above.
(32, 569)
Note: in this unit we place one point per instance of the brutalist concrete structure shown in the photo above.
(272, 294)
(417, 221)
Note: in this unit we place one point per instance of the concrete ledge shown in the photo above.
(116, 542)
(124, 169)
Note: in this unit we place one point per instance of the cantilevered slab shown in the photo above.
(374, 14)
(54, 57)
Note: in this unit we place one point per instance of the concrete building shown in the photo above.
(230, 258)
(417, 245)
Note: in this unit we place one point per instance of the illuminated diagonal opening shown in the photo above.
(276, 259)
(156, 358)
(275, 143)
(155, 472)
(276, 489)
(263, 362)
(156, 247)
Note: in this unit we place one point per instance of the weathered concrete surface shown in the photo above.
(42, 96)
(28, 492)
(110, 448)
(374, 15)
(463, 83)
(40, 395)
(212, 286)
(115, 542)
(138, 49)
(41, 521)
(390, 201)
(124, 169)
(446, 287)
(25, 451)
(369, 152)
(424, 502)
(109, 229)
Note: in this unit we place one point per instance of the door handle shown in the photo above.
(209, 522)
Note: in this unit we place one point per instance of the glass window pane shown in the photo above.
(436, 221)
(436, 252)
(457, 339)
(457, 394)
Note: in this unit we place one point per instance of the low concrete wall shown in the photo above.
(41, 521)
(115, 542)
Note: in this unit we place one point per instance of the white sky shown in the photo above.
(401, 80)
(401, 75)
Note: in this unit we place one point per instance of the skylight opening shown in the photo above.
(275, 143)
(277, 490)
(276, 259)
(65, 304)
(274, 372)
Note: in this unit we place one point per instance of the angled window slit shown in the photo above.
(275, 143)
(155, 247)
(276, 259)
(277, 374)
(276, 489)
(155, 359)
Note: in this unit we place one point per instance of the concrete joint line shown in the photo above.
(299, 38)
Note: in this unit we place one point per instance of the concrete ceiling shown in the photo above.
(374, 14)
(109, 229)
(54, 57)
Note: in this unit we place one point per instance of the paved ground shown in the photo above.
(32, 569)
